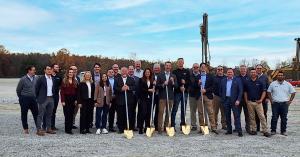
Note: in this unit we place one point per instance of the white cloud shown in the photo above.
(16, 15)
(96, 5)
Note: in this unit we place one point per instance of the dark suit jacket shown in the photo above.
(236, 89)
(136, 91)
(57, 79)
(41, 89)
(83, 92)
(162, 89)
(120, 95)
(144, 93)
(208, 87)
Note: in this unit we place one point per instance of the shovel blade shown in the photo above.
(128, 134)
(186, 129)
(150, 131)
(170, 131)
(205, 130)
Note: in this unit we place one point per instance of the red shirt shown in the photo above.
(70, 90)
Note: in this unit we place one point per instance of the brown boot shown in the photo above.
(40, 133)
(26, 131)
(50, 131)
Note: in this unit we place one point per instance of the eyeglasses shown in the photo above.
(195, 67)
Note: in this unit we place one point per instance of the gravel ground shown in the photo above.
(15, 143)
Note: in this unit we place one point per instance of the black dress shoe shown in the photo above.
(135, 129)
(111, 130)
(215, 131)
(240, 134)
(234, 130)
(266, 134)
(120, 131)
(253, 133)
(141, 131)
(74, 127)
(82, 132)
(88, 131)
(228, 133)
(69, 132)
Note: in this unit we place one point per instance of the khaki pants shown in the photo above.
(193, 110)
(208, 106)
(258, 108)
(218, 106)
(162, 106)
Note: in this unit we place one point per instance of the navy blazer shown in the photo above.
(236, 89)
(41, 89)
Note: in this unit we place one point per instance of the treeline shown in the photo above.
(13, 65)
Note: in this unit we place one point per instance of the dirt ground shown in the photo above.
(15, 143)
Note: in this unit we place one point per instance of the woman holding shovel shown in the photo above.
(146, 85)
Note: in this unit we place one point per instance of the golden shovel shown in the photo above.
(186, 129)
(170, 130)
(127, 133)
(150, 130)
(204, 129)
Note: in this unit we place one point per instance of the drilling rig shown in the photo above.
(204, 40)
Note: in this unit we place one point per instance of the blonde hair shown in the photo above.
(87, 72)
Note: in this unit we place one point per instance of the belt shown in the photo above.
(49, 96)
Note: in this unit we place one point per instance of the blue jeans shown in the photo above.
(178, 99)
(228, 106)
(279, 109)
(101, 116)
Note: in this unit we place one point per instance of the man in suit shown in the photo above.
(136, 94)
(165, 80)
(44, 90)
(205, 83)
(156, 72)
(57, 79)
(96, 77)
(122, 84)
(183, 81)
(231, 94)
(75, 70)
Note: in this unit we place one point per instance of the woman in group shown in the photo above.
(68, 95)
(86, 90)
(103, 97)
(146, 89)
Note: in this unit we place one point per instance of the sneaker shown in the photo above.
(273, 132)
(104, 131)
(284, 133)
(98, 132)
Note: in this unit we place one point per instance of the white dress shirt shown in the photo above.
(88, 83)
(49, 85)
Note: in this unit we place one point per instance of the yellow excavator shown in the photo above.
(294, 68)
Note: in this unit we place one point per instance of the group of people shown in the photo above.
(131, 94)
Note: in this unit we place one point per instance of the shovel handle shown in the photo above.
(126, 110)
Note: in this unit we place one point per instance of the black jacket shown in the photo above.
(182, 74)
(83, 92)
(120, 95)
(162, 89)
(144, 93)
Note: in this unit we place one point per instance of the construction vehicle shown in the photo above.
(291, 70)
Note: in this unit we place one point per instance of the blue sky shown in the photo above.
(153, 29)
